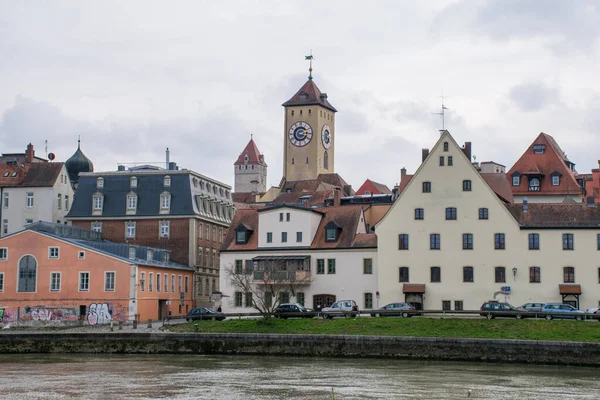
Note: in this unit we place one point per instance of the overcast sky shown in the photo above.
(135, 77)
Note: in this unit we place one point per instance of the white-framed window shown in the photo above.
(97, 202)
(149, 255)
(131, 252)
(100, 182)
(28, 221)
(29, 199)
(214, 258)
(555, 180)
(130, 229)
(143, 282)
(53, 252)
(166, 283)
(187, 284)
(167, 181)
(5, 203)
(200, 230)
(179, 282)
(165, 201)
(173, 283)
(150, 281)
(158, 282)
(81, 255)
(164, 229)
(59, 201)
(84, 281)
(1, 282)
(3, 253)
(131, 202)
(133, 182)
(66, 202)
(97, 226)
(55, 281)
(516, 180)
(109, 281)
(5, 227)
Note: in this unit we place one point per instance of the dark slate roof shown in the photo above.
(78, 163)
(556, 215)
(312, 97)
(149, 188)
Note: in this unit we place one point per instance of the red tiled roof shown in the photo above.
(248, 218)
(312, 96)
(569, 289)
(556, 215)
(404, 183)
(254, 155)
(9, 170)
(413, 288)
(552, 160)
(500, 185)
(373, 188)
(244, 197)
(363, 240)
(42, 174)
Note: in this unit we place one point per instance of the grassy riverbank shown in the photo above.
(460, 328)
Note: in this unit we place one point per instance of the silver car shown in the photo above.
(341, 308)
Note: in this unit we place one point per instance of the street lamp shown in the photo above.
(514, 270)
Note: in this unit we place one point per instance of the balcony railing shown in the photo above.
(281, 276)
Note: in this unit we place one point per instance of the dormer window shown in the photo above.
(131, 202)
(132, 252)
(165, 202)
(555, 178)
(97, 202)
(516, 179)
(246, 158)
(303, 96)
(6, 174)
(242, 234)
(539, 148)
(331, 232)
(534, 185)
(149, 255)
(13, 174)
(133, 182)
(100, 182)
(167, 181)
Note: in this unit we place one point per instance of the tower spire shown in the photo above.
(78, 140)
(310, 58)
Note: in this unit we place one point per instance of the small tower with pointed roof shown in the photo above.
(78, 163)
(250, 170)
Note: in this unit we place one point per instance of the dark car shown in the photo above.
(558, 310)
(204, 313)
(403, 310)
(293, 310)
(495, 309)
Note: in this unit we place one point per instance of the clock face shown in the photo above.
(326, 138)
(300, 134)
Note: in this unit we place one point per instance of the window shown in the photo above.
(298, 237)
(284, 297)
(220, 235)
(55, 281)
(403, 274)
(467, 274)
(568, 241)
(179, 284)
(27, 274)
(598, 241)
(166, 283)
(419, 213)
(534, 275)
(320, 266)
(458, 305)
(367, 266)
(238, 299)
(29, 221)
(81, 255)
(283, 237)
(280, 217)
(403, 241)
(269, 237)
(569, 274)
(173, 283)
(426, 187)
(499, 243)
(445, 146)
(466, 185)
(239, 266)
(516, 180)
(330, 234)
(446, 305)
(534, 185)
(200, 226)
(165, 201)
(133, 182)
(149, 255)
(467, 241)
(52, 252)
(248, 299)
(500, 275)
(131, 202)
(441, 161)
(214, 258)
(84, 281)
(165, 227)
(539, 148)
(130, 229)
(3, 253)
(29, 199)
(5, 227)
(483, 213)
(186, 284)
(249, 267)
(150, 281)
(59, 201)
(555, 180)
(450, 213)
(287, 217)
(97, 226)
(436, 274)
(214, 236)
(109, 281)
(534, 241)
(368, 300)
(450, 161)
(5, 200)
(331, 266)
(158, 282)
(66, 203)
(100, 182)
(434, 241)
(300, 298)
(97, 200)
(132, 252)
(167, 181)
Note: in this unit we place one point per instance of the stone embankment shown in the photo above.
(154, 342)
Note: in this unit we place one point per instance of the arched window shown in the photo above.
(167, 181)
(133, 182)
(27, 274)
(326, 160)
(100, 182)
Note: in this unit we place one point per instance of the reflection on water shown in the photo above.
(248, 378)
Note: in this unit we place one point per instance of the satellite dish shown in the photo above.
(51, 156)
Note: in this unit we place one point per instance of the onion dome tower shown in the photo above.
(78, 163)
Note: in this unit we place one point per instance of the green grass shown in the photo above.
(567, 330)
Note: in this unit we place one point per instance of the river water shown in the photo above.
(249, 377)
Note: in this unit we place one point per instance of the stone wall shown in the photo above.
(514, 351)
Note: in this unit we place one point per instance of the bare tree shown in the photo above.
(264, 284)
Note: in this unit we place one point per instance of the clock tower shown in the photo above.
(309, 134)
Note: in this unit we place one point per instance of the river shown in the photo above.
(77, 376)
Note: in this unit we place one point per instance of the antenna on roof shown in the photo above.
(310, 58)
(46, 146)
(442, 113)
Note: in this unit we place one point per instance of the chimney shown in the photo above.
(30, 153)
(424, 154)
(525, 206)
(402, 173)
(590, 201)
(120, 167)
(305, 201)
(347, 190)
(172, 166)
(337, 196)
(168, 154)
(467, 150)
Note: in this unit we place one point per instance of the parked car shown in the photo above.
(341, 308)
(563, 311)
(495, 309)
(532, 307)
(395, 310)
(293, 310)
(204, 313)
(594, 311)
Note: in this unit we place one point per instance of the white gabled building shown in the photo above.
(454, 239)
(328, 247)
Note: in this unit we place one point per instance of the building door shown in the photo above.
(323, 300)
(162, 309)
(415, 300)
(82, 312)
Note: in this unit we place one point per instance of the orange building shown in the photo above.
(52, 272)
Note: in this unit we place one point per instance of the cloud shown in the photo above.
(533, 96)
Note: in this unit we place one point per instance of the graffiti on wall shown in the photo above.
(1, 314)
(41, 313)
(104, 313)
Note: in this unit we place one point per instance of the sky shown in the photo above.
(199, 77)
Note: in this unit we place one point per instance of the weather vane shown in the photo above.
(310, 58)
(442, 113)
